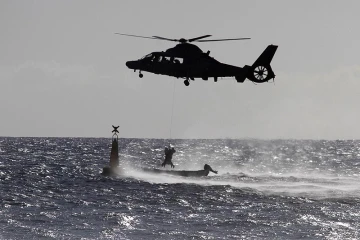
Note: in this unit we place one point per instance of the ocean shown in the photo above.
(51, 188)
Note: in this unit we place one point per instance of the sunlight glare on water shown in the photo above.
(277, 189)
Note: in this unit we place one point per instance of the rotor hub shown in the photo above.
(182, 40)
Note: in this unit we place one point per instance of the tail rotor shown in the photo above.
(261, 73)
(261, 70)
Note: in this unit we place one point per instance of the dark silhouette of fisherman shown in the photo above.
(168, 156)
(207, 169)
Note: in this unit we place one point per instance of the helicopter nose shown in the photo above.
(130, 64)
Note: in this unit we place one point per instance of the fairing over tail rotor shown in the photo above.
(261, 70)
(261, 73)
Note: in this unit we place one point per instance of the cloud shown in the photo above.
(36, 73)
(81, 101)
(323, 105)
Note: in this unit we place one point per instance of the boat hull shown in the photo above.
(183, 173)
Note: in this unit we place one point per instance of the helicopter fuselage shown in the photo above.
(189, 61)
(203, 67)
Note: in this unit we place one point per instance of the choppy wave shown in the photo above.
(51, 188)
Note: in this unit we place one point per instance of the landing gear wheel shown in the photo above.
(141, 75)
(186, 82)
(261, 73)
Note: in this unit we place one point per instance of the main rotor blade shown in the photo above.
(168, 39)
(227, 39)
(134, 35)
(197, 38)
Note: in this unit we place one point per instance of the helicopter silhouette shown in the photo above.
(188, 61)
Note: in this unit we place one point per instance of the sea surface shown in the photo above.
(51, 188)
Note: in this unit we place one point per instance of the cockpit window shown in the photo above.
(147, 56)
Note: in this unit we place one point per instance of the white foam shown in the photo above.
(292, 184)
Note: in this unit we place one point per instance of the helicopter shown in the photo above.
(188, 61)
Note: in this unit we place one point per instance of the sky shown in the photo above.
(63, 73)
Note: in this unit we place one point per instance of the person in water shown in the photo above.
(168, 157)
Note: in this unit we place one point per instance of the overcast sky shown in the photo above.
(63, 73)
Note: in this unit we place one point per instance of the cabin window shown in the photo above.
(165, 59)
(178, 60)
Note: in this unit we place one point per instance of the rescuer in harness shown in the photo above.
(168, 156)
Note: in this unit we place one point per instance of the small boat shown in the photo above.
(183, 173)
